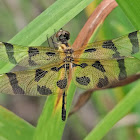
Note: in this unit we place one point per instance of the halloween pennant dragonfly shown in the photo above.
(98, 65)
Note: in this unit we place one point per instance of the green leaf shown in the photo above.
(132, 11)
(49, 21)
(115, 115)
(50, 125)
(13, 127)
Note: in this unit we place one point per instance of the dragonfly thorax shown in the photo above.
(68, 58)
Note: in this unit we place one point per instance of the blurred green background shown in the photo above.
(15, 15)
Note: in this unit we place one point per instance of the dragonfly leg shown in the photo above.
(48, 41)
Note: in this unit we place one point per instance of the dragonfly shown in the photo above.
(98, 65)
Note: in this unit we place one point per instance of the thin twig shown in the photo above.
(96, 18)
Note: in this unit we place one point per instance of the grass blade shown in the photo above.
(132, 11)
(13, 127)
(54, 17)
(115, 115)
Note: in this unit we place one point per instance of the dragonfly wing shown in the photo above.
(117, 48)
(41, 81)
(30, 57)
(103, 64)
(104, 73)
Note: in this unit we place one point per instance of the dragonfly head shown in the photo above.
(63, 36)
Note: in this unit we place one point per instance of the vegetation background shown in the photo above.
(14, 16)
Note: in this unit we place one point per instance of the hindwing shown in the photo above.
(42, 81)
(105, 63)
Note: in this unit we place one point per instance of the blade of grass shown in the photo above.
(133, 13)
(132, 10)
(13, 127)
(116, 114)
(50, 125)
(53, 18)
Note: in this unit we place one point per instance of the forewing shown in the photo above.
(30, 57)
(117, 48)
(104, 64)
(42, 81)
